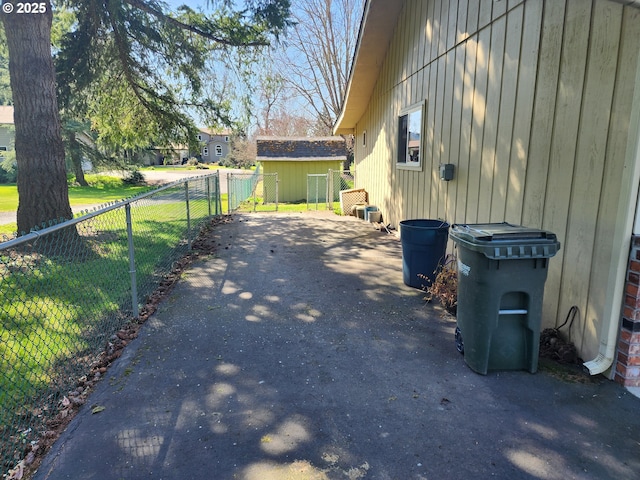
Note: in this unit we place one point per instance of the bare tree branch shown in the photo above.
(316, 64)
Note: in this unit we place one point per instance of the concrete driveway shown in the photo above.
(296, 352)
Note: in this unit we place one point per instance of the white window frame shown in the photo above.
(205, 151)
(226, 138)
(406, 124)
(199, 137)
(218, 150)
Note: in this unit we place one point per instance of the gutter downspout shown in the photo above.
(627, 222)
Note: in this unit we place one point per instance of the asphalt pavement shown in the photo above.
(296, 352)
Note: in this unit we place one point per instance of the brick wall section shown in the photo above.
(628, 358)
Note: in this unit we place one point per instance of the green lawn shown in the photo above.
(54, 310)
(102, 189)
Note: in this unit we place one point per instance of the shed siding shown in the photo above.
(531, 101)
(292, 176)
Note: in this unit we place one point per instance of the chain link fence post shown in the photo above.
(186, 201)
(208, 187)
(229, 192)
(132, 262)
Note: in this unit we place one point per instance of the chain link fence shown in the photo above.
(68, 291)
(317, 190)
(324, 189)
(253, 191)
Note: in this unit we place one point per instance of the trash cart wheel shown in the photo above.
(459, 341)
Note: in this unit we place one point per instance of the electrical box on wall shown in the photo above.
(446, 171)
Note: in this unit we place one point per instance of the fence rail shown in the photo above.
(67, 290)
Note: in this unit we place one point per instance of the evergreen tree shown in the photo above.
(131, 50)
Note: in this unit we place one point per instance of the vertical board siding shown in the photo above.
(614, 168)
(478, 118)
(589, 164)
(528, 99)
(523, 114)
(502, 167)
(494, 78)
(542, 120)
(292, 176)
(564, 140)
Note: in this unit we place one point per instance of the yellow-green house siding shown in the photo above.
(292, 175)
(531, 101)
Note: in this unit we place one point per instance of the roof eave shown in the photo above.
(376, 30)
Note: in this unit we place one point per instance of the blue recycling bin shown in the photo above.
(424, 246)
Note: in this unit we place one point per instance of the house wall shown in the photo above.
(210, 142)
(6, 136)
(531, 102)
(292, 176)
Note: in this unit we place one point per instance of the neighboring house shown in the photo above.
(537, 104)
(214, 147)
(293, 159)
(7, 133)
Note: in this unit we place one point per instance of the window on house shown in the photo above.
(199, 137)
(226, 138)
(218, 150)
(205, 152)
(2, 149)
(410, 137)
(364, 138)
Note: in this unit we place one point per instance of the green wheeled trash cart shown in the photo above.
(502, 269)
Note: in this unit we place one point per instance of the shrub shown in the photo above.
(134, 178)
(445, 285)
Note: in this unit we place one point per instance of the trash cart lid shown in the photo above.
(505, 240)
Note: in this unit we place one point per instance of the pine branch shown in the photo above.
(141, 5)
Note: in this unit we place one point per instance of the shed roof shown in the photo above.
(6, 115)
(301, 149)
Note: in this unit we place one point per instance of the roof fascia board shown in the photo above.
(377, 27)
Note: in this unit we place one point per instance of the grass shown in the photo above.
(248, 206)
(54, 309)
(101, 189)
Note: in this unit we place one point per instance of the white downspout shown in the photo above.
(624, 228)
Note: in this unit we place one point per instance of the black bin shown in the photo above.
(502, 269)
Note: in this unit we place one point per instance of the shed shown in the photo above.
(294, 158)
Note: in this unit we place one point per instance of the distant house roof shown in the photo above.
(301, 148)
(6, 115)
(212, 132)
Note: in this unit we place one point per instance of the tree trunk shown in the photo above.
(76, 159)
(42, 181)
